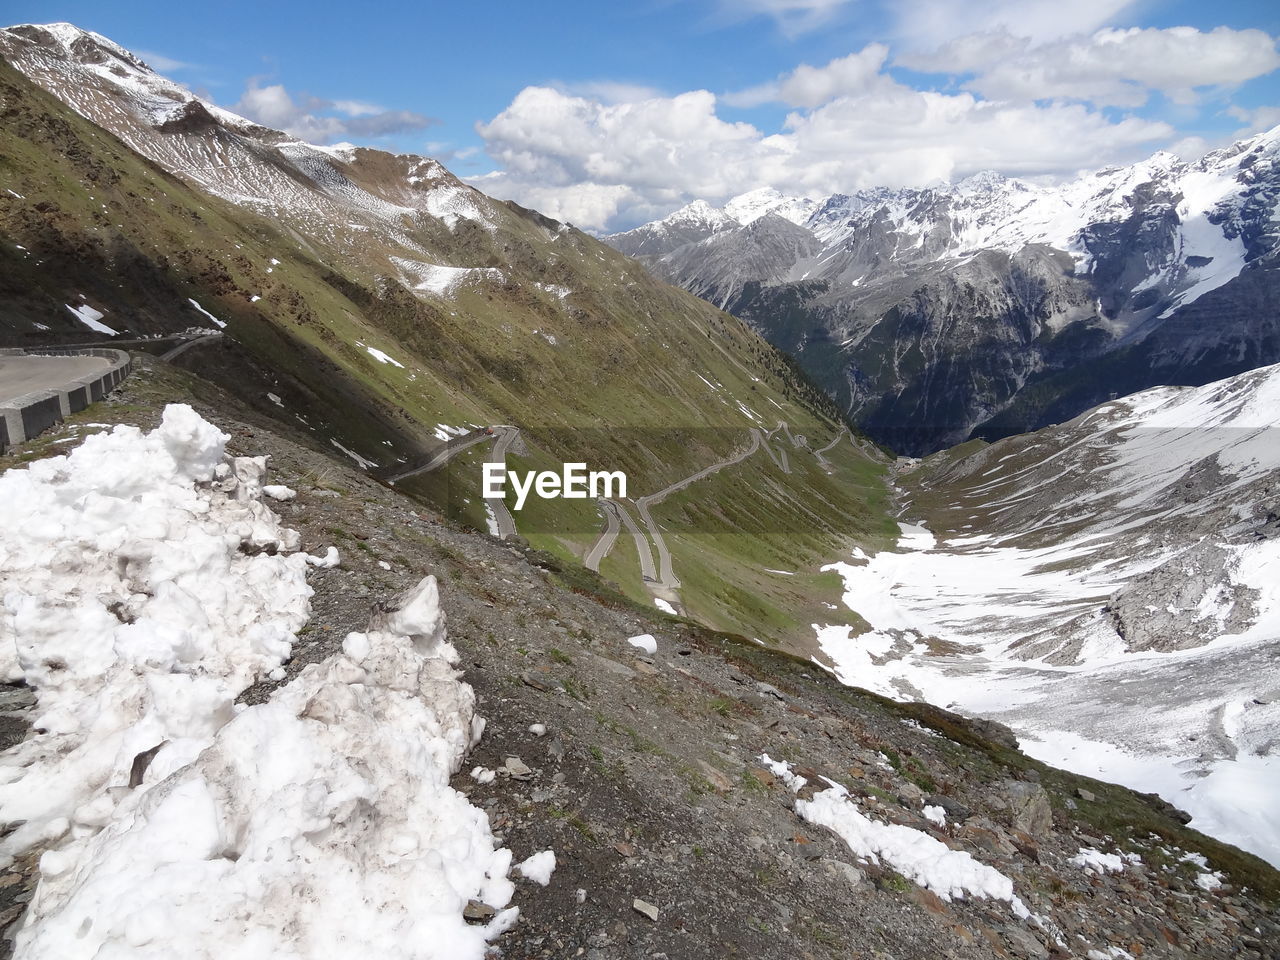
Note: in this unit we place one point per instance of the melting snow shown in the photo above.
(919, 857)
(138, 619)
(91, 318)
(645, 643)
(219, 323)
(360, 461)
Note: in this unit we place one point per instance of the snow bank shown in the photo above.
(1090, 858)
(132, 612)
(317, 823)
(91, 318)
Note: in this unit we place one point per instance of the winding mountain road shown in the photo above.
(183, 347)
(600, 549)
(614, 512)
(502, 516)
(442, 456)
(663, 580)
(666, 576)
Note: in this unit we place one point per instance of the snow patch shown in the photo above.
(91, 318)
(645, 642)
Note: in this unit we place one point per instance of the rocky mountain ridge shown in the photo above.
(996, 305)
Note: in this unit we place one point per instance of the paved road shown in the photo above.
(647, 571)
(600, 549)
(506, 437)
(442, 456)
(187, 345)
(666, 576)
(31, 374)
(844, 431)
(779, 456)
(666, 579)
(615, 512)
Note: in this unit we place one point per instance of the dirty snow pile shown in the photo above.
(919, 857)
(145, 586)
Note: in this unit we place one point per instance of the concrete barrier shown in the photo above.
(31, 415)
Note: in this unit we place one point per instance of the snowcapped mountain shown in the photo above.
(980, 306)
(699, 221)
(692, 223)
(344, 191)
(1109, 588)
(751, 206)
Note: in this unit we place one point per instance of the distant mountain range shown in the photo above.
(993, 305)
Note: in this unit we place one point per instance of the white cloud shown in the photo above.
(1110, 67)
(611, 91)
(607, 166)
(928, 24)
(357, 108)
(160, 63)
(313, 119)
(1255, 120)
(807, 86)
(1029, 89)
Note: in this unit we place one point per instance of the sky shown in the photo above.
(612, 114)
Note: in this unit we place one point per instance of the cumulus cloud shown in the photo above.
(807, 86)
(1025, 90)
(1255, 120)
(1110, 67)
(323, 121)
(609, 166)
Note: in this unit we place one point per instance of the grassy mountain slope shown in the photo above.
(550, 329)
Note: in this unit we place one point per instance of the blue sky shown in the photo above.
(589, 110)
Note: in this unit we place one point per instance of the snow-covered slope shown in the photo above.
(754, 204)
(692, 223)
(907, 282)
(1110, 588)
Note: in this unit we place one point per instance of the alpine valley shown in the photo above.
(938, 618)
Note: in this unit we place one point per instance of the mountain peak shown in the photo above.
(984, 181)
(754, 204)
(700, 212)
(75, 43)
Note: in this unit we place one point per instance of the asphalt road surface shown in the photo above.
(187, 345)
(22, 375)
(438, 459)
(600, 549)
(506, 436)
